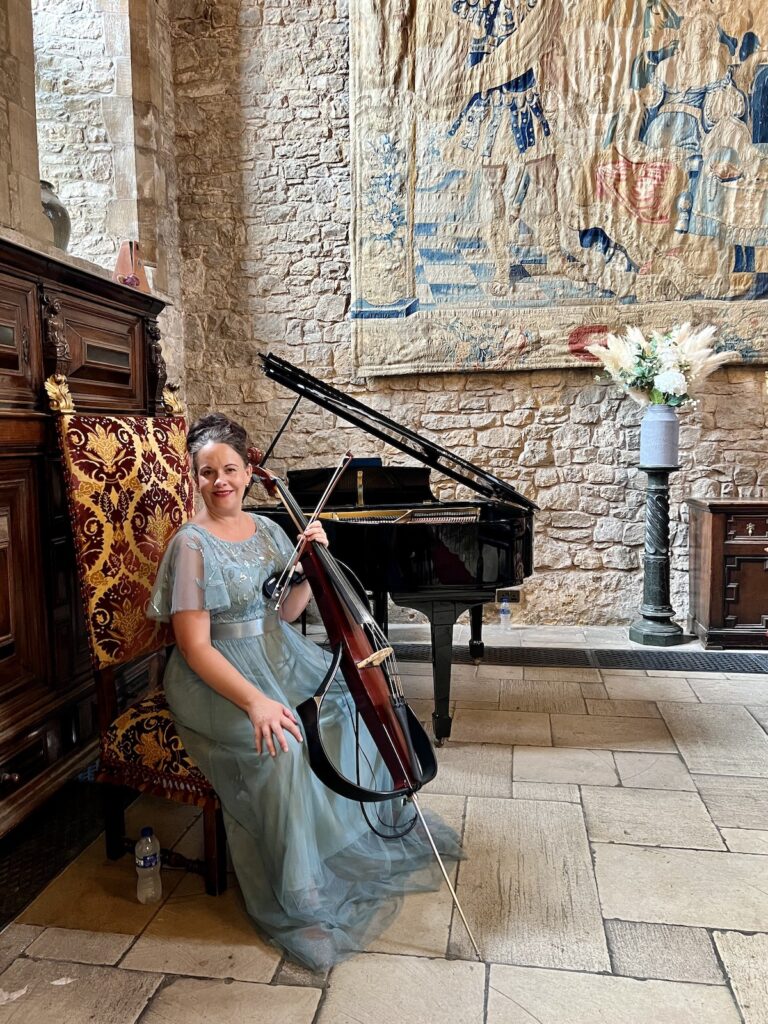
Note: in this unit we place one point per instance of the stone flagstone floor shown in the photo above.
(616, 826)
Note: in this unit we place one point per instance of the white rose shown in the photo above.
(670, 382)
(669, 356)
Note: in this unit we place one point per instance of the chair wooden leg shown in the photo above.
(114, 820)
(215, 847)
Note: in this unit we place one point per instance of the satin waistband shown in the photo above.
(240, 630)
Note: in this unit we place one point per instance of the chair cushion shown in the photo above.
(129, 490)
(144, 749)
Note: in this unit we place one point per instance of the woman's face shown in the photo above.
(222, 478)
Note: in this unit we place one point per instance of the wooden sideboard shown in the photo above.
(728, 572)
(55, 318)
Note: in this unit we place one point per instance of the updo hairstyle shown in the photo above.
(216, 428)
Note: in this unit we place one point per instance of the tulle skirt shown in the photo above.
(316, 879)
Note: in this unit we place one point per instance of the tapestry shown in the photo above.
(529, 175)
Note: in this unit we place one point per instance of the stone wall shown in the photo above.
(20, 208)
(85, 120)
(262, 141)
(154, 119)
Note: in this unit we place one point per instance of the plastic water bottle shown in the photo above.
(505, 613)
(149, 886)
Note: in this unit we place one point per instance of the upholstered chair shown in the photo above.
(128, 490)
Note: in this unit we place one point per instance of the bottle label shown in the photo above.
(151, 860)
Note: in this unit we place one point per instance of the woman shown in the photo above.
(313, 874)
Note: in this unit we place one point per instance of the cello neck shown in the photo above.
(276, 487)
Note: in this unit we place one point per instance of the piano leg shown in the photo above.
(476, 645)
(442, 617)
(381, 610)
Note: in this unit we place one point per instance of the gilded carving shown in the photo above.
(171, 400)
(59, 397)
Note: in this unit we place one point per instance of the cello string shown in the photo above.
(287, 573)
(354, 716)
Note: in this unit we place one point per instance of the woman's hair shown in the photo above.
(216, 428)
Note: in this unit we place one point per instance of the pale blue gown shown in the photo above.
(314, 876)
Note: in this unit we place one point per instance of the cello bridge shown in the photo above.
(376, 658)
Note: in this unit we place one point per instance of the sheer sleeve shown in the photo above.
(278, 536)
(189, 579)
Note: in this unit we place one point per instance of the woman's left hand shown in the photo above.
(316, 533)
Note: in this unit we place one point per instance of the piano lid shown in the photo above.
(376, 423)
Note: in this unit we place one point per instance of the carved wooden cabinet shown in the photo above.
(104, 337)
(728, 572)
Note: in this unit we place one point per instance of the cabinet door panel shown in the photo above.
(23, 645)
(104, 350)
(20, 363)
(745, 598)
(71, 659)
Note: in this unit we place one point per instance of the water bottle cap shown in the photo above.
(146, 831)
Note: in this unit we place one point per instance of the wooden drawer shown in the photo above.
(20, 361)
(745, 527)
(23, 764)
(101, 352)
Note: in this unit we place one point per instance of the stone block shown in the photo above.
(663, 951)
(5, 195)
(123, 77)
(122, 219)
(519, 995)
(331, 307)
(27, 211)
(745, 958)
(117, 36)
(117, 116)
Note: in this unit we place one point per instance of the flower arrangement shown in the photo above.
(663, 369)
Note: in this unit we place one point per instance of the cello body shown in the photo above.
(367, 665)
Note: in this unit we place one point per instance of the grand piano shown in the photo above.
(388, 528)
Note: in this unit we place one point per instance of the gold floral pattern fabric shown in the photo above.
(129, 490)
(143, 748)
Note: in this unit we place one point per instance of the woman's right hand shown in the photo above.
(269, 719)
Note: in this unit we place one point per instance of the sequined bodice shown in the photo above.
(244, 566)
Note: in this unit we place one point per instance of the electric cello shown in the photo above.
(362, 656)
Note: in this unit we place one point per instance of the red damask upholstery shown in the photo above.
(129, 489)
(142, 748)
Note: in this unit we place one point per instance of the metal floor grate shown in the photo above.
(568, 657)
(683, 661)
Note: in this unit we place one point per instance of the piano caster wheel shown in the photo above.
(441, 729)
(476, 650)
